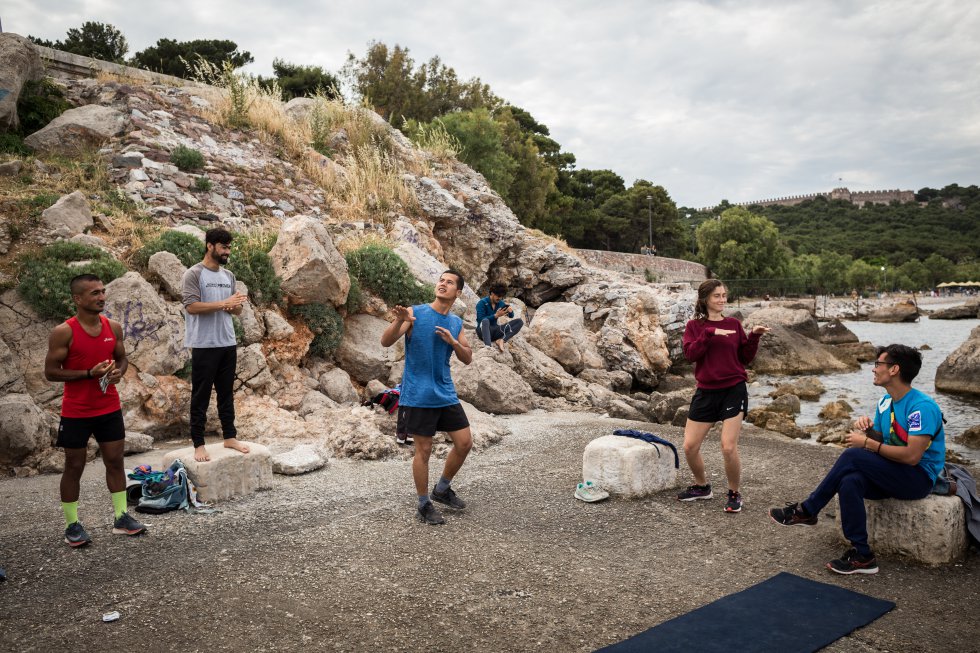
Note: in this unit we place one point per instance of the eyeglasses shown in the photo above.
(877, 363)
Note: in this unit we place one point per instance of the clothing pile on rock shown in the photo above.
(161, 492)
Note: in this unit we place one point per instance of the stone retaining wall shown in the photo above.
(662, 269)
(65, 64)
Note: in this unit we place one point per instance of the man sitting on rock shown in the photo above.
(898, 454)
(488, 311)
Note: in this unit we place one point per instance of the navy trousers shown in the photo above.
(860, 474)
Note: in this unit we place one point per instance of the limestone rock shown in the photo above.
(228, 474)
(960, 372)
(335, 383)
(798, 320)
(901, 312)
(785, 404)
(169, 271)
(491, 386)
(785, 424)
(26, 337)
(315, 401)
(19, 64)
(23, 429)
(838, 409)
(628, 467)
(11, 168)
(311, 268)
(970, 309)
(276, 326)
(253, 328)
(78, 129)
(252, 368)
(11, 380)
(153, 328)
(558, 330)
(137, 443)
(299, 108)
(300, 460)
(68, 216)
(808, 387)
(360, 352)
(786, 352)
(192, 230)
(665, 406)
(930, 530)
(970, 437)
(542, 373)
(835, 333)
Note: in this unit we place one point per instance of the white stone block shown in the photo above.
(300, 460)
(229, 473)
(931, 530)
(629, 467)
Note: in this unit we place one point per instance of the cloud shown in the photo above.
(733, 99)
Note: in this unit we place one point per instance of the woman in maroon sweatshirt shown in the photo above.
(720, 349)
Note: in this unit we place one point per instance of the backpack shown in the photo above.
(387, 399)
(174, 491)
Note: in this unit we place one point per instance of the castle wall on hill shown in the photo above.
(667, 270)
(859, 198)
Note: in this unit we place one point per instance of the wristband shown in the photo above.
(88, 374)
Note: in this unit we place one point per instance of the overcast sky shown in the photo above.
(738, 100)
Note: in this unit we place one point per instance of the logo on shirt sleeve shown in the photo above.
(915, 421)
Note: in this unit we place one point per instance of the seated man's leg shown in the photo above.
(483, 330)
(511, 328)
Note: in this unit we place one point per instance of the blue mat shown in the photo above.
(785, 614)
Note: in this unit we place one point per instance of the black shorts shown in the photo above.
(424, 422)
(718, 405)
(73, 432)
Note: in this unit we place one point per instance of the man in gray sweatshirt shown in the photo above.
(210, 300)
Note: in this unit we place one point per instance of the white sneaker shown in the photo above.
(590, 492)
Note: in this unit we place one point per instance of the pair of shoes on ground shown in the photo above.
(699, 492)
(429, 514)
(76, 536)
(851, 562)
(404, 438)
(589, 492)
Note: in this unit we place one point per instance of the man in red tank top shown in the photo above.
(87, 354)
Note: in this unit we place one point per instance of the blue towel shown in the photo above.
(652, 439)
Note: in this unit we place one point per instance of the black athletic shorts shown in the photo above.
(424, 422)
(73, 433)
(718, 405)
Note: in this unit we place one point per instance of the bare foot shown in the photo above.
(233, 443)
(201, 454)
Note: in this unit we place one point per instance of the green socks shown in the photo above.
(71, 512)
(119, 503)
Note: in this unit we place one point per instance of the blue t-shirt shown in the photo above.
(426, 382)
(916, 414)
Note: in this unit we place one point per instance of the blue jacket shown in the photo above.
(485, 310)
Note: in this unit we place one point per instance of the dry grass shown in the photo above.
(356, 239)
(363, 176)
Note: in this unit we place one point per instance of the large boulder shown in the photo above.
(19, 64)
(835, 333)
(783, 351)
(335, 383)
(491, 386)
(807, 387)
(26, 336)
(960, 372)
(420, 252)
(969, 310)
(78, 129)
(360, 352)
(902, 312)
(558, 329)
(311, 268)
(11, 379)
(166, 268)
(970, 437)
(23, 428)
(69, 216)
(153, 328)
(799, 320)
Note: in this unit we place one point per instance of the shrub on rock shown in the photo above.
(186, 158)
(45, 275)
(325, 323)
(251, 264)
(184, 246)
(384, 273)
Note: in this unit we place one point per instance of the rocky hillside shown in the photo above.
(596, 341)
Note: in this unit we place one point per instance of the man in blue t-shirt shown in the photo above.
(898, 454)
(428, 400)
(490, 309)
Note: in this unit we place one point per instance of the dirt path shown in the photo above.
(335, 561)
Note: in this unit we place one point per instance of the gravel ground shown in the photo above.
(334, 560)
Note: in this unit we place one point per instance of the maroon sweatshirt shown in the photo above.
(719, 361)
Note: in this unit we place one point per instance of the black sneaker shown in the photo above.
(75, 535)
(126, 525)
(695, 492)
(734, 503)
(448, 498)
(854, 563)
(791, 515)
(429, 514)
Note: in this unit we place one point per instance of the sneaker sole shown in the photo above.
(727, 509)
(125, 531)
(852, 571)
(704, 498)
(588, 499)
(76, 545)
(428, 522)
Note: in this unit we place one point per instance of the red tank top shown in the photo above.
(84, 398)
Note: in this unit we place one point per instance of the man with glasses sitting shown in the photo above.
(898, 454)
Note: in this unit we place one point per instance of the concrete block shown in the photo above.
(300, 460)
(229, 473)
(629, 467)
(931, 530)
